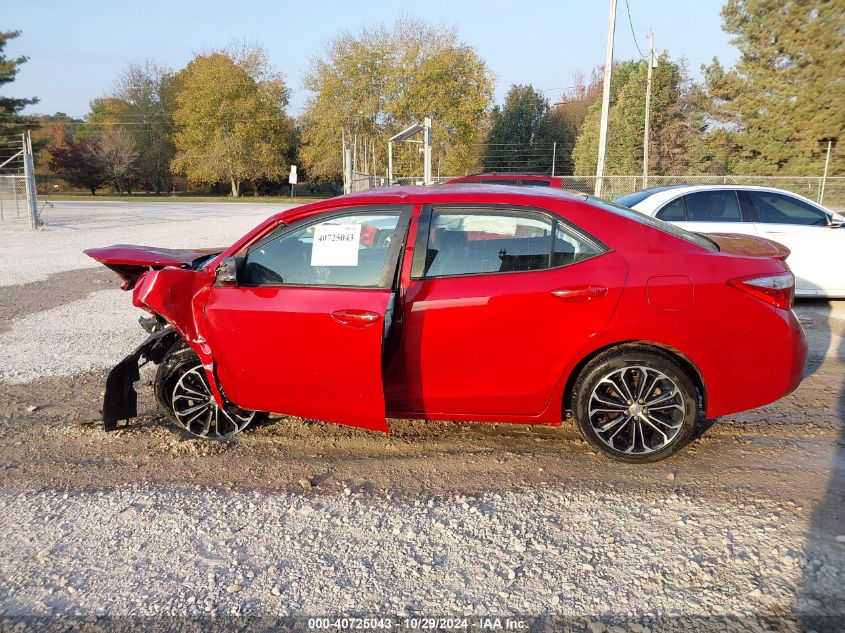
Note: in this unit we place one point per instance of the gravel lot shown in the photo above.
(74, 226)
(300, 518)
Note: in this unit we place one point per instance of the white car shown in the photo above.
(813, 234)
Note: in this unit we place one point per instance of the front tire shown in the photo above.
(182, 391)
(636, 406)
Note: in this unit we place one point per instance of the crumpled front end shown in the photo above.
(120, 401)
(173, 287)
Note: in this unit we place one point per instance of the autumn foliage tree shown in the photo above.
(229, 120)
(147, 90)
(117, 154)
(368, 86)
(77, 162)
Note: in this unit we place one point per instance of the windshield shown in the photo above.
(660, 225)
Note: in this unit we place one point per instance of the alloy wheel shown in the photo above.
(196, 410)
(636, 410)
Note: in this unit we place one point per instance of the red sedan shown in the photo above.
(509, 178)
(503, 304)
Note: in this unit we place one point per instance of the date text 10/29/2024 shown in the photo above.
(417, 624)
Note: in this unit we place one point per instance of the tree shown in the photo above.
(367, 87)
(77, 162)
(515, 140)
(147, 89)
(786, 90)
(116, 153)
(229, 119)
(523, 133)
(576, 101)
(675, 121)
(10, 107)
(51, 131)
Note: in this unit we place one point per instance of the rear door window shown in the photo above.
(720, 205)
(485, 241)
(496, 181)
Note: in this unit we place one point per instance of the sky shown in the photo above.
(77, 50)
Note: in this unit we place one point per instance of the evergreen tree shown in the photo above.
(675, 121)
(786, 91)
(10, 107)
(522, 132)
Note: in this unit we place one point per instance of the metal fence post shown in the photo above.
(29, 178)
(824, 176)
(347, 172)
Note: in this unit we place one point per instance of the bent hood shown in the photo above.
(130, 261)
(748, 245)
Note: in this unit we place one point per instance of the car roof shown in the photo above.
(504, 175)
(659, 195)
(458, 193)
(416, 193)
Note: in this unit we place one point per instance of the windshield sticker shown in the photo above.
(336, 245)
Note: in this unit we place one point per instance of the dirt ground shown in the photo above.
(59, 442)
(794, 448)
(790, 454)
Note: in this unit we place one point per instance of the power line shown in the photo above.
(633, 34)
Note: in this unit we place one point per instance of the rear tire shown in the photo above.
(182, 391)
(635, 405)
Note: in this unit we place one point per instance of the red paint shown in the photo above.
(670, 292)
(130, 261)
(287, 350)
(523, 179)
(497, 347)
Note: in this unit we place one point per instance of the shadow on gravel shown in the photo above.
(820, 602)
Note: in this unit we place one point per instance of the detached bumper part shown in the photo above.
(120, 401)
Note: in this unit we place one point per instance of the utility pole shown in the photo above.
(651, 65)
(554, 152)
(605, 98)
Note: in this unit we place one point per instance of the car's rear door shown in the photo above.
(489, 324)
(302, 331)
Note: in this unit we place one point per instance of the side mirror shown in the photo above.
(226, 273)
(836, 221)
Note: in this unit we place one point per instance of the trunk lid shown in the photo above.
(130, 261)
(748, 245)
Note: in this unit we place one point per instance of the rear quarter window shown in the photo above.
(660, 225)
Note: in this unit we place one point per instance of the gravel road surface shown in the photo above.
(301, 518)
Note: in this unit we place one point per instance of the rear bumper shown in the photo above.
(762, 365)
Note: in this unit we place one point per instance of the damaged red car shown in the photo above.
(499, 304)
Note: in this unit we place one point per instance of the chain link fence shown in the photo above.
(13, 205)
(18, 204)
(830, 192)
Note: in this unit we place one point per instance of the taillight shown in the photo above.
(779, 289)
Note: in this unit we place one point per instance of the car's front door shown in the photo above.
(817, 256)
(302, 331)
(499, 301)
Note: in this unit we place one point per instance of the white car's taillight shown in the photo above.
(779, 289)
